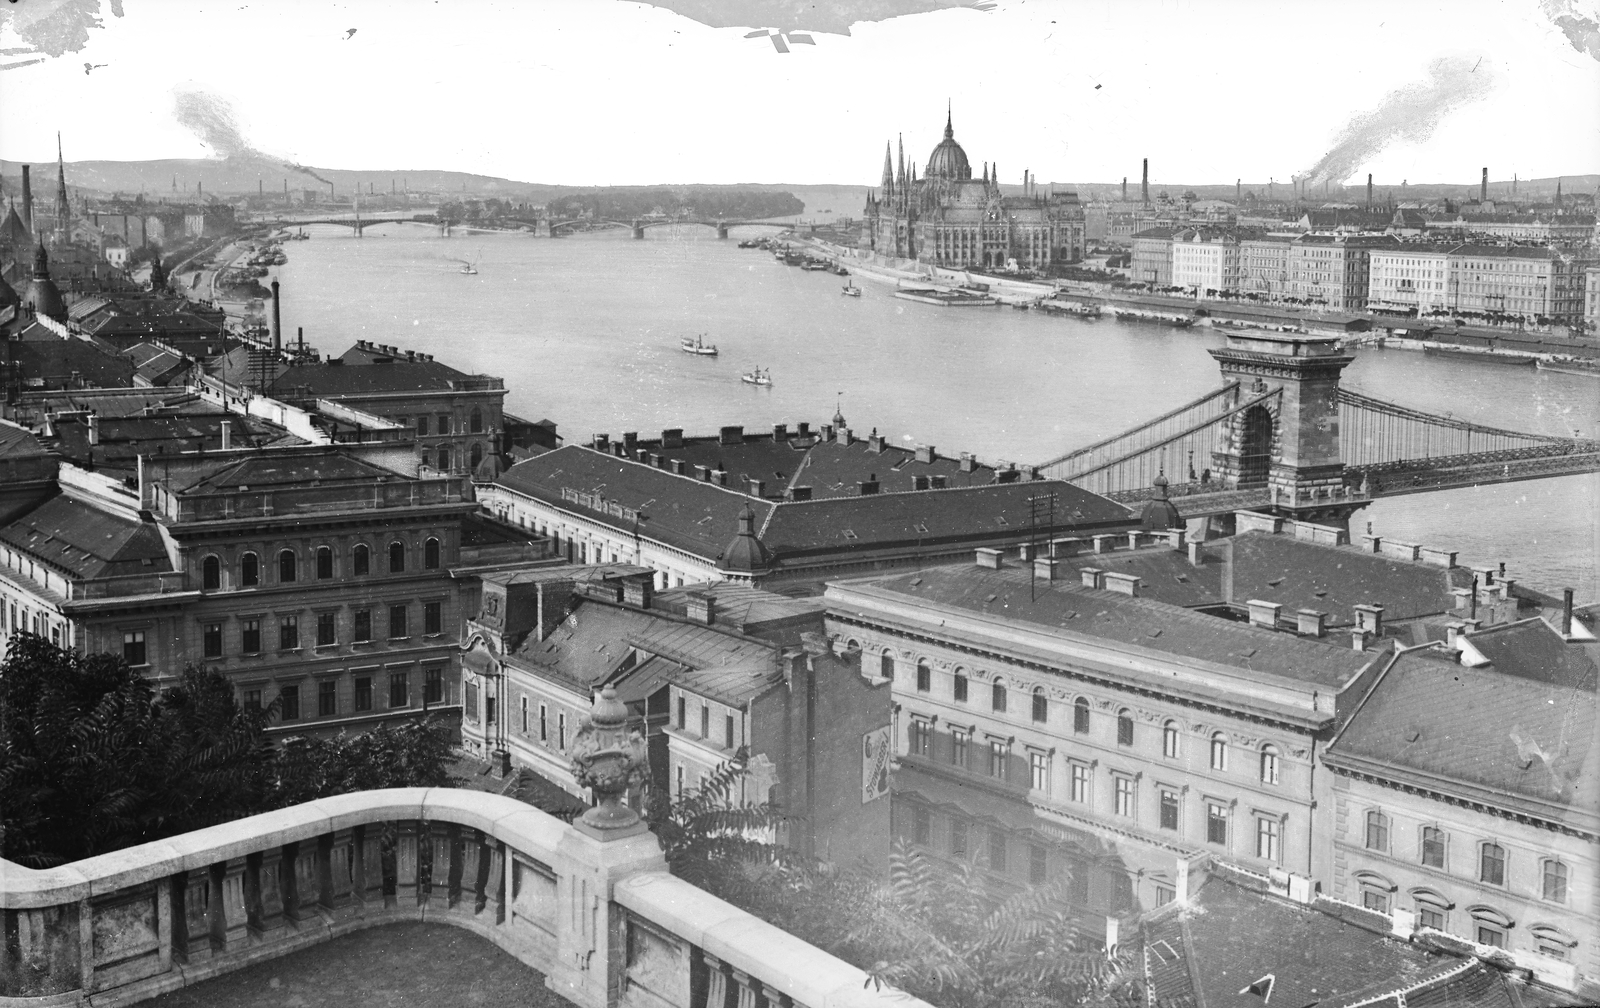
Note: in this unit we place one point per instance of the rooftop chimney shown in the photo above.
(277, 319)
(989, 558)
(639, 591)
(702, 473)
(1566, 613)
(1264, 614)
(630, 442)
(227, 434)
(1370, 619)
(672, 437)
(94, 439)
(1310, 623)
(602, 443)
(800, 493)
(868, 486)
(731, 436)
(1122, 584)
(780, 432)
(702, 608)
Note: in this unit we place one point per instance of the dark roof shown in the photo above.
(51, 363)
(1518, 733)
(1236, 936)
(361, 370)
(88, 541)
(1068, 609)
(122, 439)
(19, 442)
(1300, 574)
(291, 469)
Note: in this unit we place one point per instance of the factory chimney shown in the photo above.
(27, 199)
(277, 319)
(1369, 190)
(1483, 187)
(1238, 190)
(1144, 184)
(1124, 188)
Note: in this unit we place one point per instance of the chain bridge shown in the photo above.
(359, 223)
(1281, 434)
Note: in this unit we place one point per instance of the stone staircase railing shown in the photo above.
(601, 918)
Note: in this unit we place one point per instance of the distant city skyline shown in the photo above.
(612, 93)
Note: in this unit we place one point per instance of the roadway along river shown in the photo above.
(585, 330)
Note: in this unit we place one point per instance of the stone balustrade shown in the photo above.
(601, 918)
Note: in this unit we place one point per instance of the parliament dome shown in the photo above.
(948, 160)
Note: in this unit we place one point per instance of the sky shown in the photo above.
(607, 92)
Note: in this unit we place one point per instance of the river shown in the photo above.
(584, 330)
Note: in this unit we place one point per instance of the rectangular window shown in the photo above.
(680, 780)
(399, 690)
(1080, 783)
(958, 749)
(1491, 936)
(397, 621)
(422, 426)
(997, 850)
(1375, 900)
(544, 723)
(1039, 771)
(561, 731)
(363, 625)
(1038, 865)
(1124, 796)
(1433, 846)
(213, 640)
(1216, 823)
(924, 678)
(1430, 917)
(958, 838)
(1080, 717)
(727, 731)
(488, 710)
(1555, 881)
(432, 618)
(523, 710)
(999, 756)
(133, 647)
(252, 699)
(683, 714)
(1124, 730)
(288, 633)
(1492, 864)
(921, 825)
(921, 737)
(250, 636)
(1169, 810)
(705, 720)
(327, 698)
(327, 633)
(289, 702)
(433, 688)
(961, 687)
(363, 693)
(1267, 837)
(1165, 895)
(470, 705)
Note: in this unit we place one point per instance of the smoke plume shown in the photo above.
(1410, 113)
(212, 120)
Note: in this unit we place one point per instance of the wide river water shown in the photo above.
(585, 331)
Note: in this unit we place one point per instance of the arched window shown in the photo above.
(324, 562)
(444, 459)
(249, 570)
(211, 573)
(1376, 891)
(1492, 864)
(1269, 764)
(1219, 751)
(997, 696)
(397, 557)
(430, 554)
(1377, 831)
(477, 420)
(1041, 705)
(1080, 715)
(361, 560)
(886, 664)
(286, 563)
(1432, 909)
(475, 456)
(1549, 940)
(959, 687)
(1555, 881)
(924, 676)
(1169, 740)
(1124, 727)
(1489, 926)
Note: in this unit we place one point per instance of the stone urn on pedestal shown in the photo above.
(609, 758)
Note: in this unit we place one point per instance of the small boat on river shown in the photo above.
(757, 377)
(851, 290)
(697, 346)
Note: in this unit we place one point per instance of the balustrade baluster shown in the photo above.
(473, 870)
(265, 890)
(407, 864)
(438, 894)
(719, 992)
(746, 990)
(494, 888)
(335, 876)
(230, 924)
(367, 873)
(192, 934)
(301, 869)
(164, 922)
(86, 945)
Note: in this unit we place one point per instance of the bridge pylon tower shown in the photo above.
(1288, 442)
(638, 230)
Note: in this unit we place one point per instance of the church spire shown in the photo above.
(949, 127)
(62, 209)
(888, 170)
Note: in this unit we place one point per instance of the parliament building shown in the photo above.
(949, 218)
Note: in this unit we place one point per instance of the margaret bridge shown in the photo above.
(1282, 435)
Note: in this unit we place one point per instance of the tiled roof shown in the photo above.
(1518, 733)
(1066, 609)
(88, 541)
(1234, 937)
(1300, 574)
(18, 442)
(54, 361)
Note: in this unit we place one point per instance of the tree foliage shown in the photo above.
(94, 758)
(939, 933)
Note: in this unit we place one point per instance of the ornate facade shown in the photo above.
(949, 218)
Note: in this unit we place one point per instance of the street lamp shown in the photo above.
(608, 758)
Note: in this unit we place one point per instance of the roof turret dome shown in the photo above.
(43, 294)
(1159, 513)
(948, 160)
(746, 554)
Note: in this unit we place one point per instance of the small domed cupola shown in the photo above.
(44, 297)
(1159, 513)
(745, 554)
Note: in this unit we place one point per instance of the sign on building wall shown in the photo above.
(875, 753)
